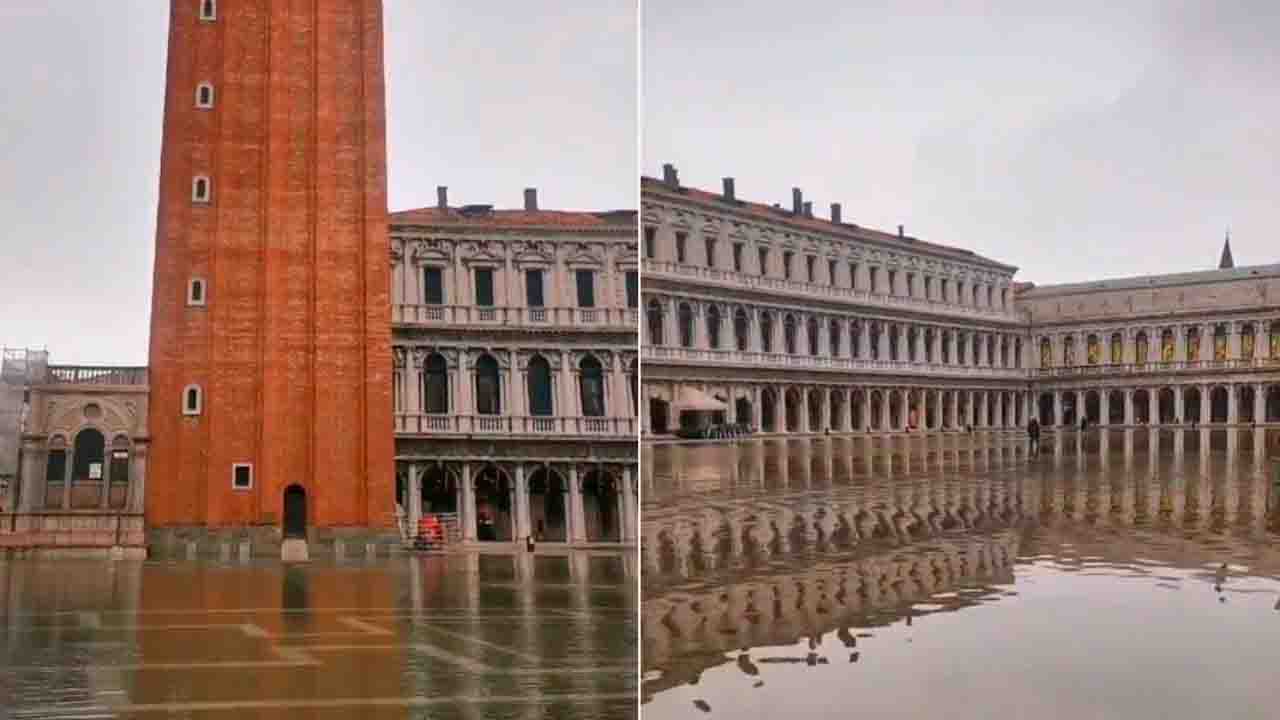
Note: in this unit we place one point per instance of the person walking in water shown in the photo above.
(1033, 430)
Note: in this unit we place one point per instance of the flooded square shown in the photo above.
(462, 636)
(1131, 573)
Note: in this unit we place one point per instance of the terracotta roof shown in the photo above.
(484, 217)
(1146, 282)
(785, 216)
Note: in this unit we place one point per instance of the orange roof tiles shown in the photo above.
(516, 219)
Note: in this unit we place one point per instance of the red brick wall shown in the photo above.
(293, 349)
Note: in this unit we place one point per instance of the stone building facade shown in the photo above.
(82, 461)
(793, 323)
(1179, 349)
(800, 324)
(270, 326)
(515, 387)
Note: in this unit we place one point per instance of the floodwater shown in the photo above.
(466, 636)
(1135, 574)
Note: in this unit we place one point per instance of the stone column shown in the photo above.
(953, 414)
(1206, 407)
(66, 476)
(757, 412)
(884, 342)
(1153, 406)
(1128, 406)
(1179, 413)
(577, 516)
(524, 523)
(414, 489)
(1232, 404)
(567, 408)
(35, 460)
(864, 341)
(866, 410)
(630, 518)
(1057, 408)
(138, 478)
(468, 505)
(1259, 403)
(1233, 343)
(884, 410)
(1206, 342)
(1180, 343)
(780, 410)
(971, 409)
(804, 411)
(1104, 407)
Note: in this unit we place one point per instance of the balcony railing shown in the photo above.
(520, 317)
(96, 375)
(762, 359)
(506, 425)
(1158, 367)
(796, 287)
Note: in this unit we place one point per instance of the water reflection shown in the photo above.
(447, 636)
(949, 563)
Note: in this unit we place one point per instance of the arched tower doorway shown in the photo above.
(295, 512)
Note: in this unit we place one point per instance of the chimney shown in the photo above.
(442, 197)
(835, 213)
(728, 189)
(797, 201)
(669, 175)
(531, 198)
(900, 231)
(808, 208)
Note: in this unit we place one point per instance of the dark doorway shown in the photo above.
(295, 512)
(658, 416)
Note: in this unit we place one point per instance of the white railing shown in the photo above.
(425, 424)
(796, 287)
(898, 367)
(604, 318)
(1189, 366)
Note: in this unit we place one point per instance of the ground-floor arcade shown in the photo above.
(517, 500)
(1182, 403)
(805, 407)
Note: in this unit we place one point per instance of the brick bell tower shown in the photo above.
(270, 317)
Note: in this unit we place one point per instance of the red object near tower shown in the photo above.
(271, 282)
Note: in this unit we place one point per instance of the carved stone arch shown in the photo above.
(501, 355)
(432, 250)
(422, 352)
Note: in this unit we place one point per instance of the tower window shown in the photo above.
(201, 189)
(204, 95)
(208, 10)
(196, 292)
(241, 476)
(192, 400)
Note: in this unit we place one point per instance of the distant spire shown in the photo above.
(1226, 262)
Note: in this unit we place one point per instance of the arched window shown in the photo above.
(1046, 353)
(488, 386)
(835, 338)
(855, 339)
(811, 329)
(55, 471)
(195, 292)
(204, 96)
(874, 341)
(540, 395)
(192, 400)
(713, 327)
(654, 315)
(1017, 352)
(789, 335)
(741, 329)
(208, 10)
(991, 349)
(1166, 345)
(591, 386)
(766, 332)
(1068, 351)
(633, 374)
(201, 189)
(1117, 348)
(1094, 350)
(991, 296)
(1220, 341)
(90, 448)
(1274, 340)
(946, 347)
(435, 385)
(1193, 344)
(1141, 349)
(928, 345)
(893, 342)
(685, 318)
(977, 350)
(1247, 344)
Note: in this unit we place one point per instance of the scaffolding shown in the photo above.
(20, 368)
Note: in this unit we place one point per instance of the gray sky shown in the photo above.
(484, 100)
(1074, 140)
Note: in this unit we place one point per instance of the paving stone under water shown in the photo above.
(435, 637)
(1135, 575)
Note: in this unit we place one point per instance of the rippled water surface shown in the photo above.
(1132, 575)
(437, 637)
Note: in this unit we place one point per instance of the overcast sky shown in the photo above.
(486, 101)
(1074, 140)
